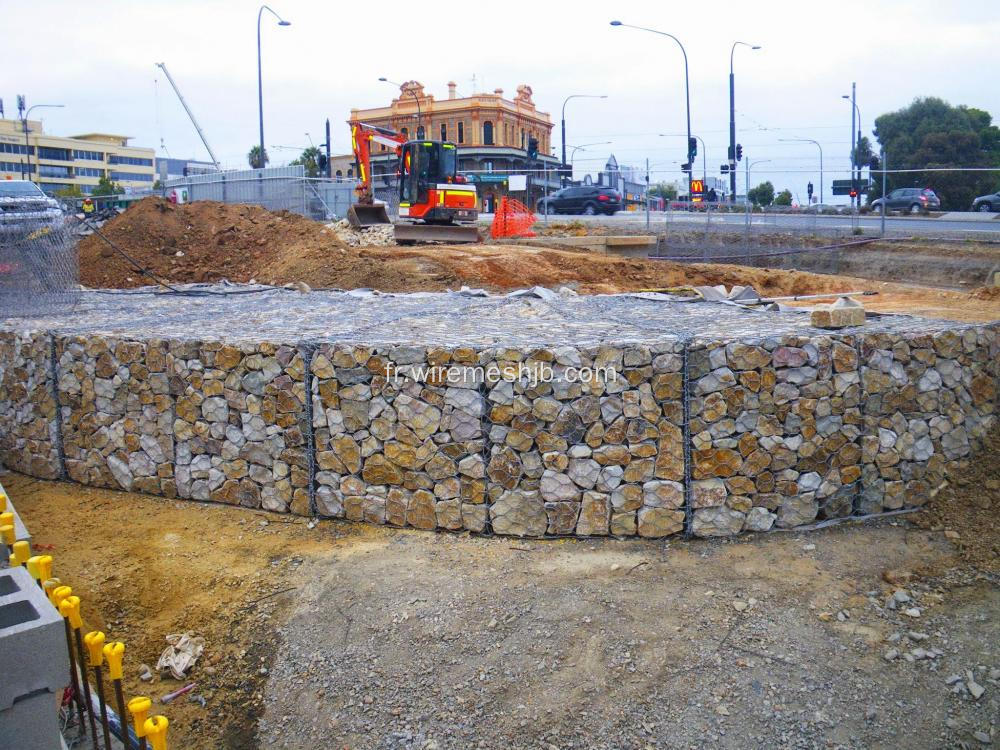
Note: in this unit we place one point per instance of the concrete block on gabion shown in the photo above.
(585, 440)
(32, 642)
(240, 424)
(775, 432)
(930, 398)
(28, 419)
(116, 413)
(398, 436)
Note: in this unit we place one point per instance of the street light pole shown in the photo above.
(27, 147)
(687, 88)
(816, 143)
(854, 142)
(260, 79)
(732, 117)
(416, 99)
(583, 147)
(573, 96)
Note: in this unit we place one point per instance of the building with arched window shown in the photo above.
(492, 134)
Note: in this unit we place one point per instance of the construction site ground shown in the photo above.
(351, 636)
(208, 241)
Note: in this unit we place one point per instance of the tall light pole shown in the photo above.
(704, 155)
(412, 93)
(752, 164)
(573, 96)
(687, 89)
(854, 142)
(260, 80)
(732, 116)
(24, 124)
(816, 143)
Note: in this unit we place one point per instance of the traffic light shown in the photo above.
(692, 148)
(732, 153)
(853, 193)
(809, 190)
(686, 167)
(875, 163)
(739, 151)
(724, 168)
(532, 148)
(321, 162)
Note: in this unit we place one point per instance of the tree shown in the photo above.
(762, 195)
(70, 191)
(667, 190)
(929, 134)
(105, 186)
(310, 159)
(255, 160)
(784, 198)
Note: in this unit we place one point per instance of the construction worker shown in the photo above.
(88, 208)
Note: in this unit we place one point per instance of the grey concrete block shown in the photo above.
(32, 723)
(32, 641)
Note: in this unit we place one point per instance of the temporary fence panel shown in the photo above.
(38, 268)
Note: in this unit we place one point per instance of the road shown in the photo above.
(972, 226)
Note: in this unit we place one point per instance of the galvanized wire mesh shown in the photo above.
(38, 268)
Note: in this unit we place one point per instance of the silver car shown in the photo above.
(24, 207)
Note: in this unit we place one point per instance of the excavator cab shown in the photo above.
(430, 188)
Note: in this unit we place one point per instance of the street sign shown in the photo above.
(517, 182)
(488, 178)
(844, 187)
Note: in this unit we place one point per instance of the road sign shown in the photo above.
(517, 182)
(697, 187)
(844, 187)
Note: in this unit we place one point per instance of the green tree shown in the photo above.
(71, 191)
(254, 157)
(930, 134)
(310, 160)
(762, 195)
(784, 198)
(105, 186)
(667, 190)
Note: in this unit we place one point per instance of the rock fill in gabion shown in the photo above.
(527, 415)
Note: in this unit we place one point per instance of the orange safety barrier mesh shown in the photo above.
(512, 219)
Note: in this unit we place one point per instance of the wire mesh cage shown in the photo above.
(38, 268)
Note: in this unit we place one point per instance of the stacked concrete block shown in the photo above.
(592, 448)
(28, 429)
(240, 424)
(33, 664)
(929, 400)
(116, 413)
(399, 436)
(775, 432)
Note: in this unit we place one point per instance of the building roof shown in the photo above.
(121, 140)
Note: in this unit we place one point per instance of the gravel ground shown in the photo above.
(412, 640)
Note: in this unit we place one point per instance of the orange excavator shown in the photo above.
(436, 204)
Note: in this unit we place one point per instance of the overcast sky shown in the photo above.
(98, 60)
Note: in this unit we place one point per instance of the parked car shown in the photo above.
(913, 200)
(987, 203)
(582, 199)
(23, 206)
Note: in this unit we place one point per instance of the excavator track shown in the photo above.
(450, 233)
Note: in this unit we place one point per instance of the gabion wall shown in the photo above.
(703, 435)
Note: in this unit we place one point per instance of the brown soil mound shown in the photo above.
(987, 292)
(970, 507)
(244, 242)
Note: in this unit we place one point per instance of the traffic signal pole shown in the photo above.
(855, 202)
(732, 131)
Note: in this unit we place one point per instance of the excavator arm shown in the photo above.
(362, 137)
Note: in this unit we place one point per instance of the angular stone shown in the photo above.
(379, 470)
(663, 494)
(518, 513)
(659, 522)
(595, 515)
(420, 513)
(718, 521)
(558, 487)
(584, 472)
(448, 514)
(562, 517)
(505, 468)
(760, 519)
(798, 510)
(623, 524)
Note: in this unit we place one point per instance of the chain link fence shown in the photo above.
(38, 268)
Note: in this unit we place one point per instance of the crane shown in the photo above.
(190, 114)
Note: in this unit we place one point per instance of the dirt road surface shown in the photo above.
(351, 636)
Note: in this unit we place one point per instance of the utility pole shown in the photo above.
(647, 193)
(329, 168)
(885, 169)
(855, 201)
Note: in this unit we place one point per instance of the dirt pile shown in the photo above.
(968, 509)
(990, 293)
(202, 241)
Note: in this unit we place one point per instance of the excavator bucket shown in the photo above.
(450, 233)
(361, 216)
